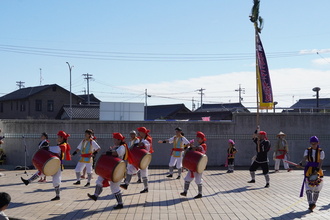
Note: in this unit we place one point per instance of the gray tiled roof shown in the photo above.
(311, 103)
(233, 107)
(165, 111)
(81, 112)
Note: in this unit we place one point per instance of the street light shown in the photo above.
(70, 109)
(317, 89)
(275, 103)
(146, 104)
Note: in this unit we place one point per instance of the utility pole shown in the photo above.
(41, 76)
(20, 84)
(240, 90)
(193, 105)
(201, 93)
(88, 77)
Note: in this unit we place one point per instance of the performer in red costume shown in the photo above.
(146, 143)
(200, 136)
(63, 151)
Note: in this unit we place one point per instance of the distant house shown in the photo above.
(310, 105)
(92, 99)
(232, 107)
(80, 112)
(36, 102)
(165, 111)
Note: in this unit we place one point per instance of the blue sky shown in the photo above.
(171, 48)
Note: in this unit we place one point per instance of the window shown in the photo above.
(50, 105)
(38, 105)
(22, 107)
(1, 107)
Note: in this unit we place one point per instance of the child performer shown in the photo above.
(231, 152)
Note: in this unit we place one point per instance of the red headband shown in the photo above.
(143, 129)
(63, 134)
(118, 136)
(201, 135)
(263, 133)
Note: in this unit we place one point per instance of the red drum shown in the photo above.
(46, 162)
(195, 161)
(141, 157)
(110, 168)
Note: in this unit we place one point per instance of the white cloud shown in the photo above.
(321, 61)
(288, 86)
(314, 51)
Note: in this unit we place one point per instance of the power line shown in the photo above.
(129, 56)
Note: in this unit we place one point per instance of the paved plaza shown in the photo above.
(225, 196)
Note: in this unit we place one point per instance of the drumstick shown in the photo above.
(292, 163)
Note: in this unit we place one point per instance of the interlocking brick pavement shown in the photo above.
(226, 196)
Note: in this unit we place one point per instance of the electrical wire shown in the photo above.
(129, 56)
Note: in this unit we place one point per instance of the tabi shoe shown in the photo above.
(55, 198)
(145, 190)
(179, 177)
(139, 181)
(198, 196)
(311, 207)
(26, 182)
(92, 196)
(119, 206)
(276, 171)
(251, 181)
(289, 169)
(183, 194)
(267, 185)
(87, 185)
(169, 176)
(77, 183)
(228, 171)
(124, 186)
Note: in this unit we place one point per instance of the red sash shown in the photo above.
(281, 156)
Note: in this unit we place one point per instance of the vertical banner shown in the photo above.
(263, 78)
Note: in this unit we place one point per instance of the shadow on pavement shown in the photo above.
(20, 204)
(325, 207)
(292, 215)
